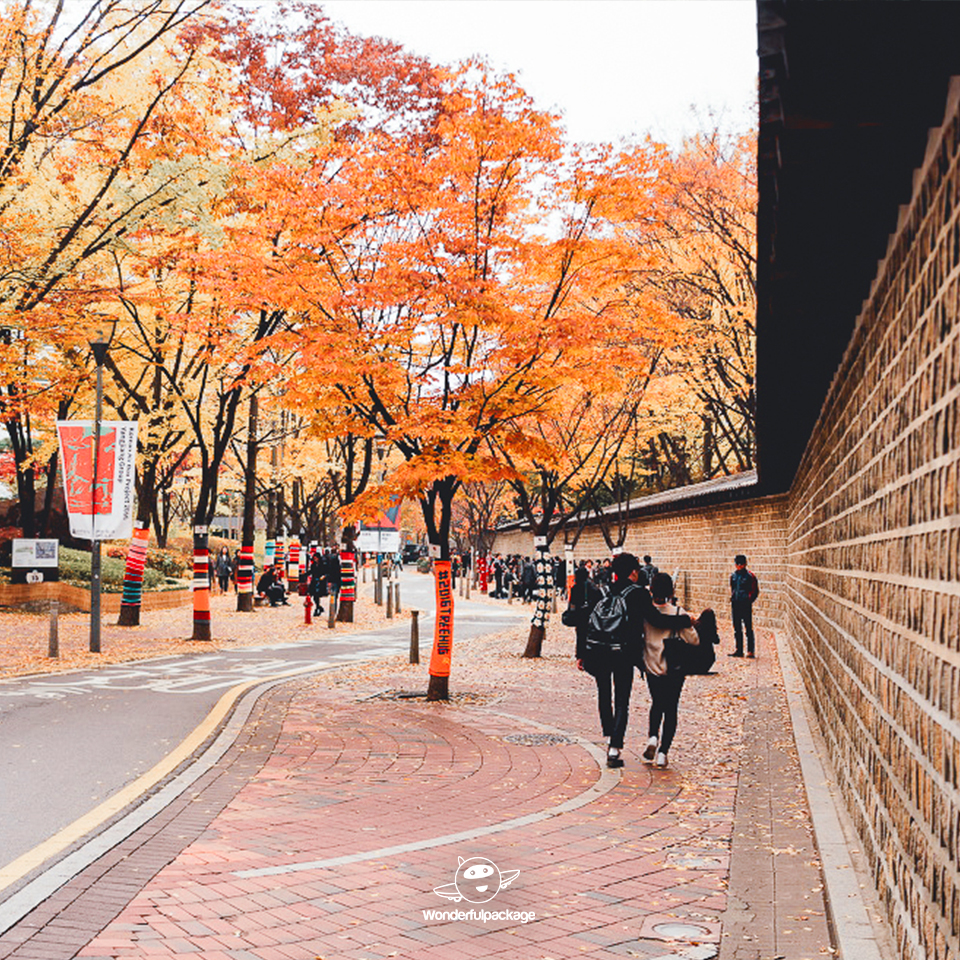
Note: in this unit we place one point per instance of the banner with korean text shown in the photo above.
(113, 492)
(443, 627)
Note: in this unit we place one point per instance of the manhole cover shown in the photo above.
(536, 739)
(462, 696)
(681, 931)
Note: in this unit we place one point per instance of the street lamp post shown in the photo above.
(99, 346)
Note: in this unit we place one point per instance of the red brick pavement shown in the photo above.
(348, 772)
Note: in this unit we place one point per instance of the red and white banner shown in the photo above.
(113, 492)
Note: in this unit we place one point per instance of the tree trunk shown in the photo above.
(441, 494)
(348, 575)
(244, 571)
(201, 584)
(541, 614)
(133, 575)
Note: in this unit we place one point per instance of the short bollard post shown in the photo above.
(414, 636)
(389, 603)
(396, 598)
(461, 587)
(53, 646)
(510, 593)
(332, 612)
(307, 609)
(554, 601)
(467, 591)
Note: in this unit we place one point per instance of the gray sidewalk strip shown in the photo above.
(857, 937)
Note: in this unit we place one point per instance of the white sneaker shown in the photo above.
(651, 750)
(661, 760)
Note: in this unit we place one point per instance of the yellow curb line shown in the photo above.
(29, 861)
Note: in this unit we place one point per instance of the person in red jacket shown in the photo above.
(744, 590)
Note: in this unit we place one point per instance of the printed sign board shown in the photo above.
(34, 561)
(112, 490)
(378, 541)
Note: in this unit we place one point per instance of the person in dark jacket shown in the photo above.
(318, 582)
(583, 598)
(744, 590)
(617, 666)
(271, 586)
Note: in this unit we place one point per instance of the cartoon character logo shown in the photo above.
(477, 881)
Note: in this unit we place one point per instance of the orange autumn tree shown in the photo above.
(455, 284)
(702, 256)
(82, 101)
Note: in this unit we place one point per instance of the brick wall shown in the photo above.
(861, 563)
(700, 543)
(872, 578)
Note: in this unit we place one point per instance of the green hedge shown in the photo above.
(75, 568)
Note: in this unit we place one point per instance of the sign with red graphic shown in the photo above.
(99, 507)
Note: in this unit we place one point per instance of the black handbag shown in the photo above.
(571, 617)
(676, 653)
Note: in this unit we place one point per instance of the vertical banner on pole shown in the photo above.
(201, 585)
(569, 568)
(482, 573)
(116, 468)
(443, 627)
(133, 577)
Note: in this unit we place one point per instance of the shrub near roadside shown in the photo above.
(75, 569)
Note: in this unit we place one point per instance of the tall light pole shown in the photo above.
(99, 346)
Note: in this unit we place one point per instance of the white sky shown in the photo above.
(613, 68)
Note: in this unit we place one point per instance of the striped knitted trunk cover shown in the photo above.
(133, 577)
(201, 585)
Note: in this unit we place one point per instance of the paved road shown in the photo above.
(71, 740)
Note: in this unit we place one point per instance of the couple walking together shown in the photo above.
(651, 618)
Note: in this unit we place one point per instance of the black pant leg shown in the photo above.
(622, 686)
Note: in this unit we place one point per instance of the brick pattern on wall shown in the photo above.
(700, 543)
(861, 563)
(872, 587)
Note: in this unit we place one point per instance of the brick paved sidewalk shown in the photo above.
(325, 830)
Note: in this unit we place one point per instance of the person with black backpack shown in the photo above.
(614, 644)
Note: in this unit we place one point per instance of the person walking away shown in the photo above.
(744, 590)
(612, 657)
(649, 570)
(332, 564)
(318, 582)
(224, 569)
(665, 685)
(583, 598)
(528, 579)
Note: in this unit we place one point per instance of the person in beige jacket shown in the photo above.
(665, 685)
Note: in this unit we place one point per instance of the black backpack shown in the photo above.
(608, 629)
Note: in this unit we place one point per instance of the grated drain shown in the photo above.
(536, 739)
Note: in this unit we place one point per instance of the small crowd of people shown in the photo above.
(322, 580)
(629, 619)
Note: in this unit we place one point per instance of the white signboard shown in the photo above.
(34, 554)
(378, 541)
